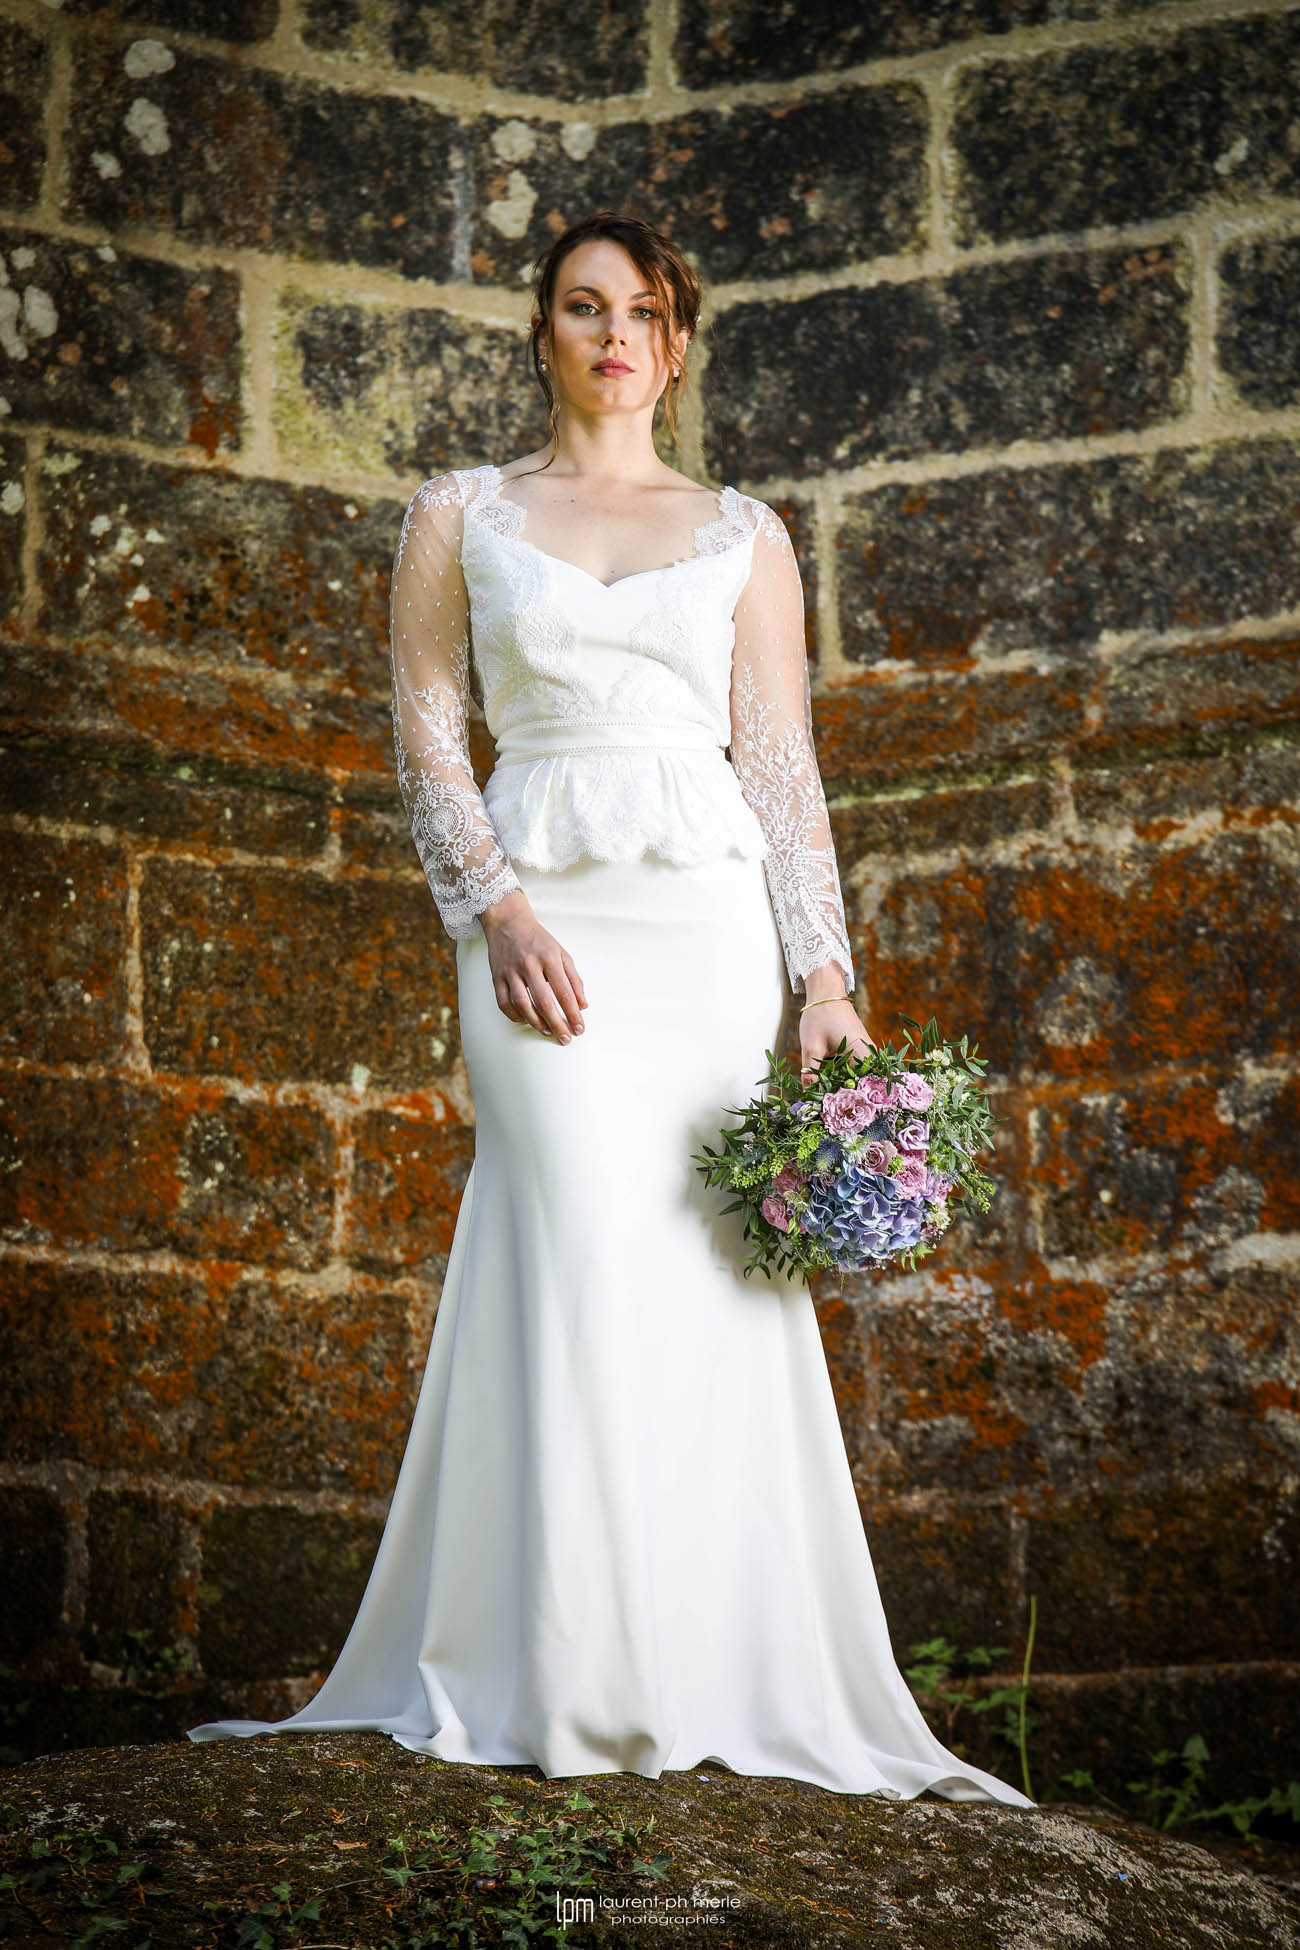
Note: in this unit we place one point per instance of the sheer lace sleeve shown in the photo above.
(774, 758)
(466, 866)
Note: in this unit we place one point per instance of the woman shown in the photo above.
(625, 1536)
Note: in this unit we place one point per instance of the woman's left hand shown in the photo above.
(823, 1029)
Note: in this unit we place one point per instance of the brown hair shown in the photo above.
(665, 271)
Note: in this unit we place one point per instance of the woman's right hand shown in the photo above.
(534, 977)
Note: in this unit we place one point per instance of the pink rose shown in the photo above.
(788, 1179)
(915, 1136)
(910, 1178)
(775, 1211)
(914, 1093)
(879, 1092)
(845, 1111)
(877, 1155)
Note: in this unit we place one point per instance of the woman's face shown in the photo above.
(602, 309)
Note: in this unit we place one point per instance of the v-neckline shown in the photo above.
(496, 480)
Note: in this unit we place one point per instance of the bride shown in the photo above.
(624, 1535)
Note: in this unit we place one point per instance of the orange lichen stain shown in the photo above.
(424, 1107)
(206, 428)
(1077, 1312)
(1156, 830)
(1276, 1394)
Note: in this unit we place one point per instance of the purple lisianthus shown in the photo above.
(877, 1155)
(915, 1136)
(775, 1211)
(845, 1111)
(914, 1093)
(937, 1185)
(910, 1178)
(879, 1092)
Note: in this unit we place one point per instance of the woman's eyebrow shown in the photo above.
(595, 288)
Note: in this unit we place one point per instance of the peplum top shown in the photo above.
(666, 712)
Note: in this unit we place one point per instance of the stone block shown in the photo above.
(62, 948)
(151, 798)
(1113, 1724)
(408, 1176)
(1127, 131)
(98, 1162)
(1190, 697)
(1197, 1376)
(842, 174)
(1035, 1378)
(1258, 338)
(1047, 558)
(524, 48)
(24, 84)
(135, 1595)
(1050, 347)
(944, 1573)
(1246, 787)
(113, 342)
(217, 1374)
(1187, 1165)
(33, 1533)
(216, 731)
(976, 728)
(315, 1565)
(255, 571)
(968, 820)
(1083, 963)
(761, 40)
(266, 972)
(241, 21)
(387, 390)
(218, 152)
(955, 1389)
(1176, 1575)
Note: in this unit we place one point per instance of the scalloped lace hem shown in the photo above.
(549, 856)
(558, 810)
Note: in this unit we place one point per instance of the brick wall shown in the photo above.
(1001, 315)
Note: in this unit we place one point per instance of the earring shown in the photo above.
(676, 372)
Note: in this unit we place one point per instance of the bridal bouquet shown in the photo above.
(859, 1168)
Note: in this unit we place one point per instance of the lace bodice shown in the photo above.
(612, 706)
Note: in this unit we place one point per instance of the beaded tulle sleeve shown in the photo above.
(773, 756)
(466, 866)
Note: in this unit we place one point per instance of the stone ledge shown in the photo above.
(806, 1866)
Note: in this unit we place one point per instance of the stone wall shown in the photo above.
(1001, 315)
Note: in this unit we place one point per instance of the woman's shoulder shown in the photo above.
(759, 515)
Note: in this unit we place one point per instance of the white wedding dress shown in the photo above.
(625, 1535)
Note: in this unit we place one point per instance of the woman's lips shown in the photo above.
(611, 365)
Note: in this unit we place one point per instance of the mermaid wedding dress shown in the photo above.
(624, 1535)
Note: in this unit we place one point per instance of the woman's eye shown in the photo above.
(585, 304)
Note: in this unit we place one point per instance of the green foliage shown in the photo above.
(498, 1886)
(769, 1136)
(1164, 1804)
(153, 1665)
(504, 1887)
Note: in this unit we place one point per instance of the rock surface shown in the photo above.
(221, 1824)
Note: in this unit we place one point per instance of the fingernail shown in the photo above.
(566, 1039)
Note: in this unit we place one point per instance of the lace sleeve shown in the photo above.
(464, 862)
(774, 758)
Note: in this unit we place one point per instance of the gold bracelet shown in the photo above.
(824, 998)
